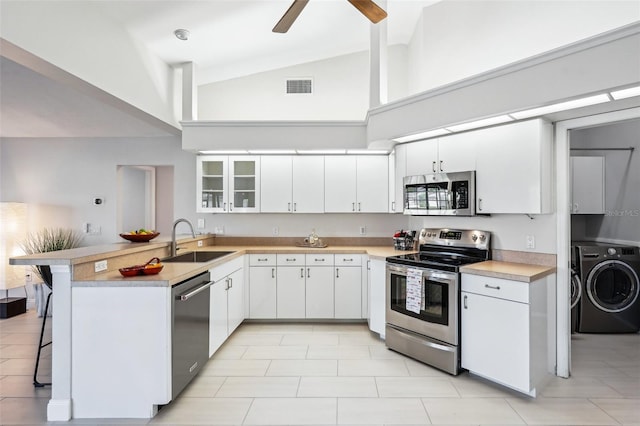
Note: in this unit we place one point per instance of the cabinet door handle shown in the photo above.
(493, 287)
(288, 207)
(441, 161)
(479, 204)
(353, 207)
(359, 207)
(393, 206)
(433, 166)
(368, 265)
(226, 281)
(301, 272)
(273, 272)
(230, 282)
(465, 302)
(230, 207)
(575, 207)
(337, 272)
(224, 206)
(295, 207)
(308, 272)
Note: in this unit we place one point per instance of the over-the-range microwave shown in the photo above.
(440, 194)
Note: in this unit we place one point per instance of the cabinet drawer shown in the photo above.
(348, 260)
(319, 259)
(290, 259)
(516, 291)
(262, 260)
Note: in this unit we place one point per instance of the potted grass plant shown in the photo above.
(46, 240)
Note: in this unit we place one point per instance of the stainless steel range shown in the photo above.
(423, 295)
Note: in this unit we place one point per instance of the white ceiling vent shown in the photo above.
(299, 86)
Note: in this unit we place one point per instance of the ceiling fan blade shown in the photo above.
(369, 9)
(290, 16)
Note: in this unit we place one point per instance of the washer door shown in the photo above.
(576, 288)
(612, 286)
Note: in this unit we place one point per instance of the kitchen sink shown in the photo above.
(197, 256)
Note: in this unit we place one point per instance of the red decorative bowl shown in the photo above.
(139, 238)
(152, 267)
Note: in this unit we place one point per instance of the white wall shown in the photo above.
(462, 38)
(340, 86)
(77, 38)
(621, 221)
(70, 172)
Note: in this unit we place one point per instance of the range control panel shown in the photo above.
(455, 237)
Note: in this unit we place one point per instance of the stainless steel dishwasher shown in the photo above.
(189, 330)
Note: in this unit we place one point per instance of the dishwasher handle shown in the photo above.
(189, 295)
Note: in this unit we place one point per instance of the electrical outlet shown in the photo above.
(219, 230)
(531, 242)
(27, 278)
(276, 231)
(100, 266)
(200, 223)
(200, 243)
(363, 230)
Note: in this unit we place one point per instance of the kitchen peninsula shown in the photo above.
(112, 351)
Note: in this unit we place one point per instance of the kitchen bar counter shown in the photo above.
(509, 270)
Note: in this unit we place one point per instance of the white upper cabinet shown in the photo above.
(292, 184)
(212, 184)
(308, 184)
(399, 172)
(356, 184)
(228, 184)
(244, 184)
(421, 157)
(454, 153)
(587, 185)
(372, 183)
(340, 184)
(276, 184)
(514, 167)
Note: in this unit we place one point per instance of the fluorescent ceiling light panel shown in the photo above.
(562, 106)
(227, 152)
(626, 93)
(424, 135)
(367, 151)
(321, 151)
(480, 123)
(272, 151)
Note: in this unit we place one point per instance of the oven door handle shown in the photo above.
(441, 278)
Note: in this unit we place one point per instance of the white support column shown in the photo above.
(378, 61)
(189, 92)
(60, 408)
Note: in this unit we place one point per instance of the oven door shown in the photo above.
(424, 301)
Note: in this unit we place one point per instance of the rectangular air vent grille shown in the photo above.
(299, 86)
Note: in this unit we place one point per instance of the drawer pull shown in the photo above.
(291, 260)
(319, 260)
(494, 287)
(263, 260)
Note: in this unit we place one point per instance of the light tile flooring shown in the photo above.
(325, 374)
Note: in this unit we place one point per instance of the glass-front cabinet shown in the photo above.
(228, 184)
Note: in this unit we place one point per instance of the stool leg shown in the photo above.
(36, 383)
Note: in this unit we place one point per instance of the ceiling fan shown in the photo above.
(367, 7)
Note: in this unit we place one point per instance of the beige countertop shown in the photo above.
(173, 273)
(509, 270)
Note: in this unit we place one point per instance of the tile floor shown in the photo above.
(327, 374)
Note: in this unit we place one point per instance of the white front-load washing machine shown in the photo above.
(610, 288)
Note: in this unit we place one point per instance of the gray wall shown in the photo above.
(621, 221)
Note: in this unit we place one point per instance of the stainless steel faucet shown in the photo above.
(174, 246)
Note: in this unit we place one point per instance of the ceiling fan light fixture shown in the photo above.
(182, 34)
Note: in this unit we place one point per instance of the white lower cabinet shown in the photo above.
(376, 283)
(290, 292)
(262, 286)
(226, 310)
(319, 295)
(504, 331)
(348, 286)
